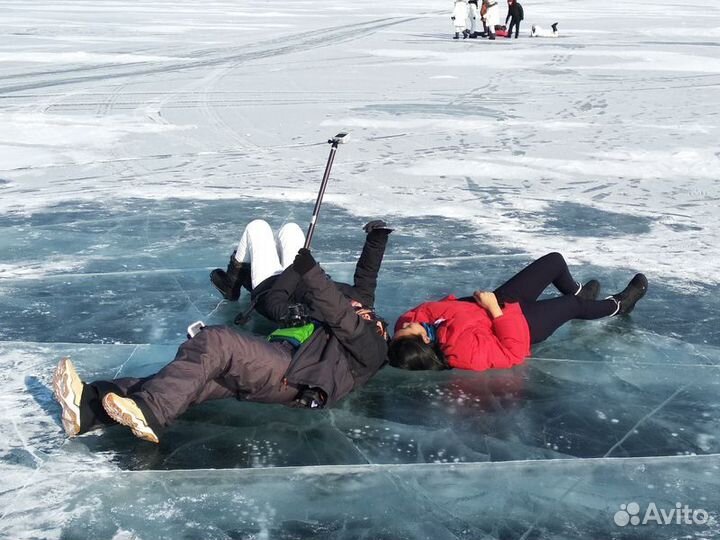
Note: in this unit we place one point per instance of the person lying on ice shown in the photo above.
(539, 31)
(260, 258)
(313, 364)
(495, 329)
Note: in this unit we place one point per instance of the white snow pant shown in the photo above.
(492, 17)
(539, 31)
(268, 255)
(474, 18)
(460, 12)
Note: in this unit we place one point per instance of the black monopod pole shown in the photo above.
(243, 317)
(338, 139)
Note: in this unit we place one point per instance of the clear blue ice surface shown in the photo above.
(604, 413)
(138, 138)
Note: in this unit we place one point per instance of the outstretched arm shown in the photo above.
(325, 298)
(368, 265)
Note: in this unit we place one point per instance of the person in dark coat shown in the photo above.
(494, 330)
(515, 15)
(260, 258)
(314, 364)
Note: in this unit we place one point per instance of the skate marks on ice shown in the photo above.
(299, 42)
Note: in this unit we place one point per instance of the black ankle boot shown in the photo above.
(627, 299)
(229, 282)
(589, 291)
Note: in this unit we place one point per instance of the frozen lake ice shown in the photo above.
(140, 137)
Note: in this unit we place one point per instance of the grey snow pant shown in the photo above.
(217, 363)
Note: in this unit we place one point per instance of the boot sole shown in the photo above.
(644, 287)
(66, 396)
(117, 412)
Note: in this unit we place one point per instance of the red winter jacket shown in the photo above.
(470, 338)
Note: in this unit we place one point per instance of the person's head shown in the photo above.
(411, 348)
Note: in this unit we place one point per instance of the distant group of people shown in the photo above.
(467, 13)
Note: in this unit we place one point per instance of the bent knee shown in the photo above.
(555, 257)
(258, 225)
(291, 229)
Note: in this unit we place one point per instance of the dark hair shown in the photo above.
(413, 353)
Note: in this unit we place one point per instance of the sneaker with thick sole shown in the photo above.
(126, 412)
(68, 388)
(590, 290)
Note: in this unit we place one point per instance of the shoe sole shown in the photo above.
(117, 412)
(66, 396)
(644, 287)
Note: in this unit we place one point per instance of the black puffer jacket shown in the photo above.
(345, 351)
(515, 11)
(276, 293)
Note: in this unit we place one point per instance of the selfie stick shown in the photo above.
(243, 317)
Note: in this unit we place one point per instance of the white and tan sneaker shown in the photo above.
(68, 388)
(126, 412)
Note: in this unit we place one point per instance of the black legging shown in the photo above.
(516, 23)
(546, 316)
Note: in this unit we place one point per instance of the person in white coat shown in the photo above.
(474, 16)
(492, 17)
(459, 17)
(539, 31)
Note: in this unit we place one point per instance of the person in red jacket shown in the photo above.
(493, 330)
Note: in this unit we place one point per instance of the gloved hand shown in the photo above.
(303, 262)
(452, 18)
(376, 225)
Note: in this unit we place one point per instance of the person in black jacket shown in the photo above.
(515, 15)
(314, 365)
(260, 258)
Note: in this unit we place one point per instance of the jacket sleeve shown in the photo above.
(274, 302)
(368, 266)
(502, 349)
(325, 298)
(507, 18)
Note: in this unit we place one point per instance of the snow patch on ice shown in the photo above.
(33, 139)
(646, 165)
